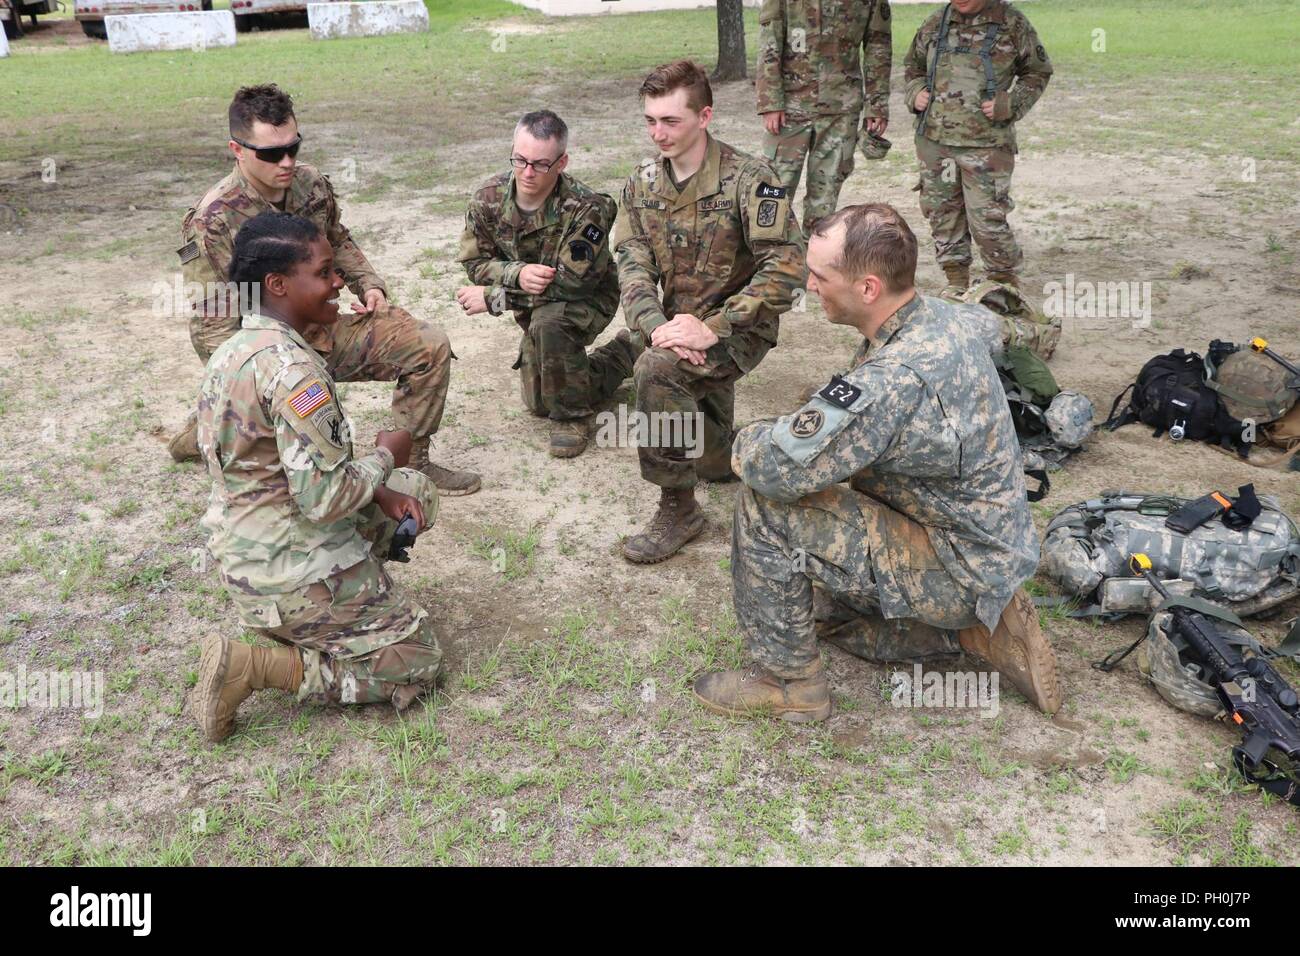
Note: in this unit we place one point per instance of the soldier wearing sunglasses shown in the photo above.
(376, 342)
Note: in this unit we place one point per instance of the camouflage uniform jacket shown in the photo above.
(921, 424)
(208, 231)
(809, 62)
(726, 249)
(285, 487)
(570, 233)
(960, 80)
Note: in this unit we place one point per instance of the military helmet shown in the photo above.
(1069, 419)
(873, 146)
(1253, 386)
(1176, 678)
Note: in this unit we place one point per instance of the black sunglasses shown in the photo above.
(272, 154)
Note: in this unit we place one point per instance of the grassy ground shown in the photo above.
(565, 731)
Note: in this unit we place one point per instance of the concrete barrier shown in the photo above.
(373, 18)
(143, 32)
(4, 43)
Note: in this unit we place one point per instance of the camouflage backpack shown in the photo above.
(1022, 323)
(1087, 546)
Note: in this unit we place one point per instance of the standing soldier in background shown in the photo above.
(377, 342)
(536, 241)
(713, 229)
(959, 77)
(812, 86)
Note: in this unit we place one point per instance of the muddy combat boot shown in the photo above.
(450, 483)
(569, 437)
(756, 690)
(1006, 278)
(1019, 651)
(184, 445)
(677, 521)
(229, 671)
(958, 274)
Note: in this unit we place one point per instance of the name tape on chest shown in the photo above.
(307, 400)
(715, 205)
(651, 204)
(840, 392)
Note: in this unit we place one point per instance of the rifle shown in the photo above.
(1255, 696)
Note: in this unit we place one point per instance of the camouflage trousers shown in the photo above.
(674, 395)
(362, 641)
(390, 346)
(966, 191)
(557, 377)
(827, 540)
(827, 142)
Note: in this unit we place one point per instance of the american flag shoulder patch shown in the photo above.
(307, 400)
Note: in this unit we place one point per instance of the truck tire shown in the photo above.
(14, 25)
(95, 29)
(244, 22)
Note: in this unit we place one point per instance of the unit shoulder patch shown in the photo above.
(807, 423)
(841, 393)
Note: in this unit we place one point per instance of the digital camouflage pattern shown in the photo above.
(826, 64)
(966, 159)
(1069, 419)
(389, 346)
(725, 248)
(1249, 570)
(965, 192)
(933, 524)
(570, 233)
(1020, 67)
(293, 525)
(1159, 662)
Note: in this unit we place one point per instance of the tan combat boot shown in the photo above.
(184, 445)
(229, 671)
(677, 521)
(958, 274)
(569, 437)
(756, 690)
(1020, 652)
(450, 483)
(1006, 278)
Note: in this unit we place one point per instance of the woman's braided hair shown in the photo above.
(271, 242)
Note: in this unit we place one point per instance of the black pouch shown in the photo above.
(1195, 513)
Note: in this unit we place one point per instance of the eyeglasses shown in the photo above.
(541, 165)
(272, 154)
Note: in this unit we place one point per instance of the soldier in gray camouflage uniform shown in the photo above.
(896, 489)
(299, 524)
(819, 63)
(974, 69)
(536, 241)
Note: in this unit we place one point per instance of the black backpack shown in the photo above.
(1171, 395)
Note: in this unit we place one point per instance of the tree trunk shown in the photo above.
(731, 41)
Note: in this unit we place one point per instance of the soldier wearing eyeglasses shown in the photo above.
(376, 342)
(536, 243)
